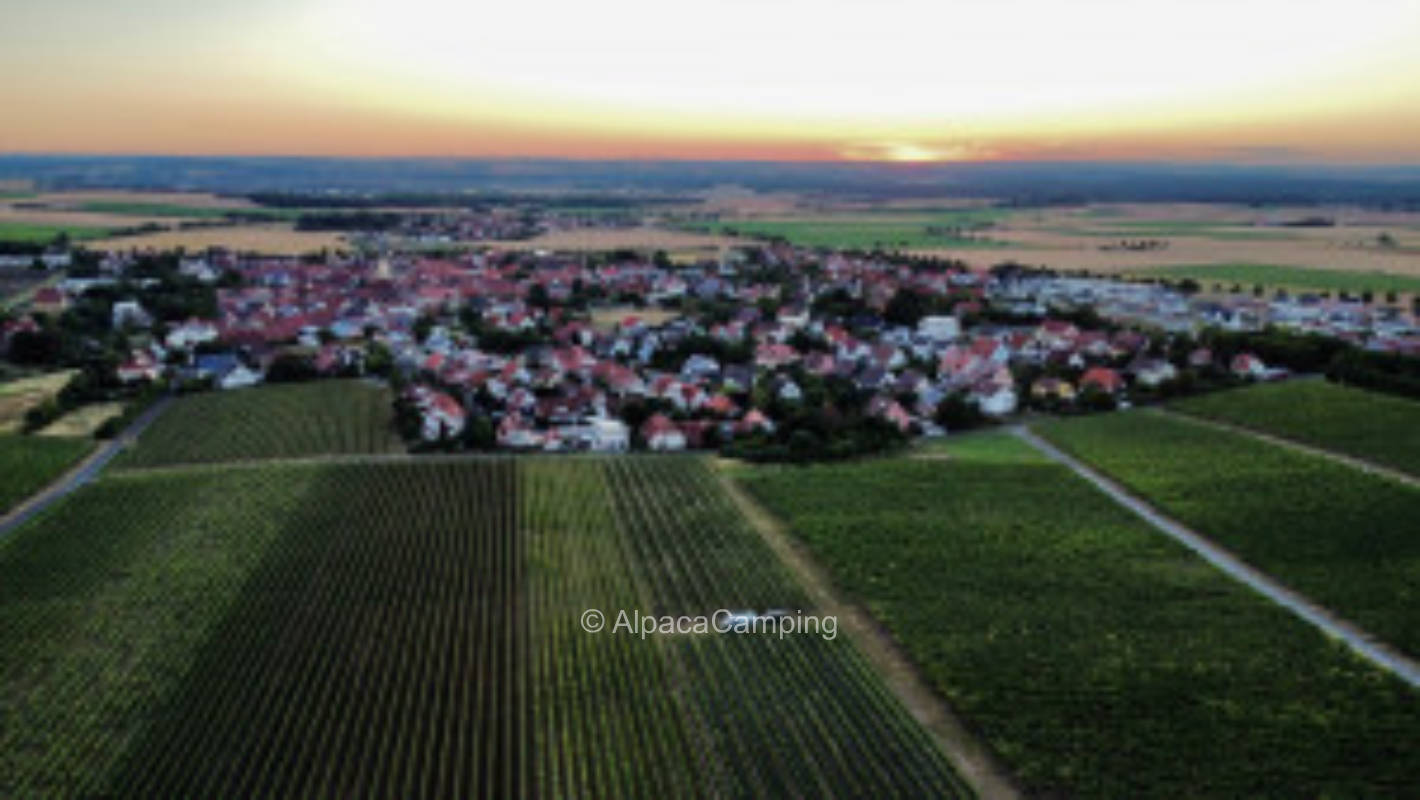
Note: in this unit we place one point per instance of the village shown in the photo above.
(766, 344)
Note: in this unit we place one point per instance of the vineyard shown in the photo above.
(1381, 428)
(29, 463)
(412, 629)
(1097, 657)
(274, 421)
(1343, 538)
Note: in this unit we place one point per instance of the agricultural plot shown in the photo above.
(699, 714)
(105, 602)
(1098, 658)
(1345, 539)
(40, 233)
(961, 229)
(29, 463)
(413, 629)
(275, 421)
(1279, 276)
(1375, 427)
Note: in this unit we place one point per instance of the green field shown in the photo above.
(29, 463)
(1341, 537)
(137, 208)
(1376, 427)
(1164, 228)
(864, 232)
(31, 233)
(413, 629)
(1096, 656)
(1275, 276)
(333, 417)
(105, 602)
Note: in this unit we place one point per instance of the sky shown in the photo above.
(1246, 81)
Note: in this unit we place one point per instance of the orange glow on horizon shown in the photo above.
(894, 80)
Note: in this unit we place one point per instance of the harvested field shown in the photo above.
(618, 238)
(17, 397)
(82, 421)
(273, 239)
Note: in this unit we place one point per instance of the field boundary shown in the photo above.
(81, 473)
(1362, 643)
(972, 760)
(1361, 464)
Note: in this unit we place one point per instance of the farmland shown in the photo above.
(412, 629)
(44, 233)
(1276, 276)
(141, 208)
(965, 229)
(1097, 657)
(1381, 428)
(1343, 538)
(104, 602)
(259, 238)
(274, 421)
(28, 463)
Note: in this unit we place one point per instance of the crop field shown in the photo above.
(29, 463)
(1205, 234)
(21, 394)
(44, 233)
(105, 602)
(1097, 657)
(413, 629)
(272, 239)
(599, 239)
(273, 421)
(1376, 427)
(142, 208)
(964, 229)
(1276, 276)
(1347, 540)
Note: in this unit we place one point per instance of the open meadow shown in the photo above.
(1097, 657)
(1345, 539)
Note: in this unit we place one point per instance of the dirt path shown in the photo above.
(1292, 444)
(81, 473)
(1364, 644)
(972, 760)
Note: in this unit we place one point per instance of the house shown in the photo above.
(442, 416)
(49, 300)
(1247, 365)
(190, 333)
(128, 313)
(660, 433)
(609, 435)
(1154, 371)
(140, 366)
(226, 371)
(1102, 378)
(939, 328)
(515, 432)
(995, 399)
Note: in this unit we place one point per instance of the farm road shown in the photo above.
(1365, 645)
(81, 473)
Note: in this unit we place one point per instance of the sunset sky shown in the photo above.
(1216, 80)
